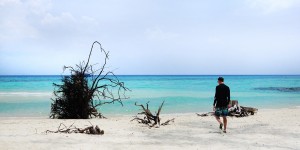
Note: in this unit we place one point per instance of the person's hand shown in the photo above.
(214, 108)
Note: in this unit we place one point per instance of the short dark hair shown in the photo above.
(221, 79)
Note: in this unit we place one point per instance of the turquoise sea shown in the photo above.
(30, 95)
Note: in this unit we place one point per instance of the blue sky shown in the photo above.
(152, 36)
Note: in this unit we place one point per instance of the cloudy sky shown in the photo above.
(152, 36)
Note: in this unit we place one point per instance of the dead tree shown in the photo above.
(85, 89)
(62, 128)
(150, 119)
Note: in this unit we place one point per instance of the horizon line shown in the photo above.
(164, 75)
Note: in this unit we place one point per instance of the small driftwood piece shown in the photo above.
(150, 119)
(168, 122)
(96, 114)
(205, 114)
(62, 128)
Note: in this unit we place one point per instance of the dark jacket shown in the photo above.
(222, 96)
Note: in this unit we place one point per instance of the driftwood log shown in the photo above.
(240, 111)
(245, 111)
(150, 119)
(62, 128)
(235, 110)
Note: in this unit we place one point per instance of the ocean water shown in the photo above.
(30, 95)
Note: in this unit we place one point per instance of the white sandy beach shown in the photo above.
(268, 129)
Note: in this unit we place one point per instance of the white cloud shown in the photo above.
(214, 39)
(88, 19)
(13, 21)
(10, 2)
(15, 18)
(39, 6)
(63, 17)
(271, 6)
(15, 29)
(34, 18)
(157, 33)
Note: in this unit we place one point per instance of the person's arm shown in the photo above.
(215, 100)
(228, 96)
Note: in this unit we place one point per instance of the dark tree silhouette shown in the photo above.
(85, 89)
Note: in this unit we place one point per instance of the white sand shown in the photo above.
(269, 129)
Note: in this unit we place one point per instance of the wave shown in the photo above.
(25, 93)
(280, 89)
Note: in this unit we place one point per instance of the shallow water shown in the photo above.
(30, 95)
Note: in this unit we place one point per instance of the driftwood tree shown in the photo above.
(85, 89)
(150, 119)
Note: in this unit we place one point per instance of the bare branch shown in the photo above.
(150, 119)
(85, 85)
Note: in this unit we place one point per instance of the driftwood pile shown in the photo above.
(150, 119)
(235, 110)
(240, 111)
(62, 128)
(245, 111)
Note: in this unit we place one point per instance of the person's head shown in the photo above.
(220, 80)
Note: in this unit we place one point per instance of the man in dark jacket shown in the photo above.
(221, 102)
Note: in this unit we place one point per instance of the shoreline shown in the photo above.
(268, 129)
(110, 115)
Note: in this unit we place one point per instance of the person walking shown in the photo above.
(221, 102)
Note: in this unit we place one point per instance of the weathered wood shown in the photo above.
(168, 122)
(233, 102)
(150, 119)
(205, 114)
(235, 110)
(72, 129)
(250, 110)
